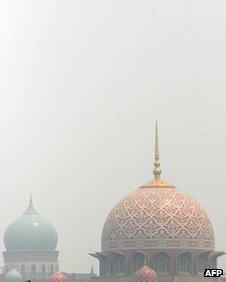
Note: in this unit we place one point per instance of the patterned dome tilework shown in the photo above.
(58, 277)
(145, 274)
(156, 217)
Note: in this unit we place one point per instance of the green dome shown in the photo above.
(13, 276)
(30, 232)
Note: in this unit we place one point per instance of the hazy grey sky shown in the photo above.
(81, 84)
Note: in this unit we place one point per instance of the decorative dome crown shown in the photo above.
(58, 277)
(13, 276)
(30, 232)
(145, 274)
(157, 215)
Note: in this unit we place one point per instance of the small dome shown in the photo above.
(58, 277)
(30, 232)
(145, 274)
(13, 276)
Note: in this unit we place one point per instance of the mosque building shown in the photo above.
(30, 243)
(155, 234)
(158, 226)
(31, 254)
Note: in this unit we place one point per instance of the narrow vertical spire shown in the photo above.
(30, 200)
(156, 142)
(30, 208)
(157, 170)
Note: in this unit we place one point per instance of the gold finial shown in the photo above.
(157, 170)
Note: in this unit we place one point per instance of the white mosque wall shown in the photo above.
(33, 266)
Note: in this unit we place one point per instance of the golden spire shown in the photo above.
(157, 170)
(157, 181)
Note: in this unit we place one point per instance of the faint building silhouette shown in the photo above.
(30, 243)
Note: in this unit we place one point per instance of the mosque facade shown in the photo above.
(158, 226)
(157, 233)
(30, 242)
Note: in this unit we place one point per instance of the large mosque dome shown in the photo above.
(30, 232)
(157, 216)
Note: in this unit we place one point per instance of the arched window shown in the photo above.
(51, 269)
(120, 264)
(139, 260)
(43, 268)
(22, 268)
(33, 268)
(202, 263)
(105, 266)
(184, 262)
(162, 262)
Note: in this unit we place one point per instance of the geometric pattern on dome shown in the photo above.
(145, 274)
(157, 217)
(58, 277)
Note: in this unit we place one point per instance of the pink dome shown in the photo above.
(58, 277)
(145, 274)
(157, 215)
